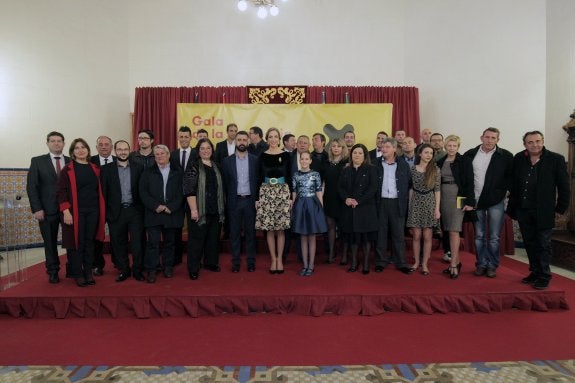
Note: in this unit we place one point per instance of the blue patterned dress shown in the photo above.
(308, 216)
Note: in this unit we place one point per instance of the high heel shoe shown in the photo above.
(452, 273)
(424, 272)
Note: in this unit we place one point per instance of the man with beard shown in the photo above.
(240, 174)
(124, 211)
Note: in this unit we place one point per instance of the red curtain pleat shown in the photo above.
(155, 107)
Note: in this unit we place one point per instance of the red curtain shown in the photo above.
(155, 107)
(405, 102)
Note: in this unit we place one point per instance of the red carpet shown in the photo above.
(331, 290)
(263, 339)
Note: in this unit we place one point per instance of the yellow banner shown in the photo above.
(333, 120)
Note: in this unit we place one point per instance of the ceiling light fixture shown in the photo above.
(264, 7)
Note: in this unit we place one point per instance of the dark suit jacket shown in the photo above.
(152, 195)
(363, 188)
(112, 190)
(258, 149)
(41, 185)
(402, 181)
(96, 160)
(175, 161)
(553, 189)
(497, 178)
(373, 155)
(230, 178)
(221, 152)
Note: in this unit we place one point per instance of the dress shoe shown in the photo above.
(122, 277)
(491, 273)
(214, 268)
(90, 281)
(54, 278)
(139, 277)
(98, 271)
(81, 282)
(151, 277)
(530, 279)
(235, 269)
(352, 269)
(541, 284)
(404, 270)
(365, 271)
(251, 268)
(194, 276)
(479, 271)
(168, 272)
(379, 269)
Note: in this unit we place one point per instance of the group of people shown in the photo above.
(291, 193)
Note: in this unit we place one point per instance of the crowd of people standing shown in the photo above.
(337, 189)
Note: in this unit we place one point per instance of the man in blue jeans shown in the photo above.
(493, 171)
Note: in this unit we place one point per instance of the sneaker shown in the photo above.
(541, 284)
(447, 257)
(491, 273)
(530, 279)
(303, 272)
(479, 271)
(308, 272)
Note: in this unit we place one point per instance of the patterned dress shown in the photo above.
(308, 216)
(422, 204)
(273, 212)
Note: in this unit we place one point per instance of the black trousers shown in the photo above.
(390, 222)
(80, 260)
(128, 229)
(49, 230)
(537, 243)
(244, 215)
(155, 235)
(203, 243)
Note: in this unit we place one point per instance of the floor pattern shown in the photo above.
(541, 371)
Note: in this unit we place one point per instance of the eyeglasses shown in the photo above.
(143, 138)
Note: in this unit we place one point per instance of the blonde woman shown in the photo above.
(274, 203)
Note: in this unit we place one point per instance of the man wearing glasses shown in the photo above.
(144, 155)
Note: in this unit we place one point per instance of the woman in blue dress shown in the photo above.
(308, 216)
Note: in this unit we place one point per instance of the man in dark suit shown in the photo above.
(41, 189)
(376, 153)
(539, 194)
(257, 144)
(240, 173)
(394, 180)
(228, 146)
(104, 157)
(124, 211)
(493, 172)
(182, 158)
(162, 193)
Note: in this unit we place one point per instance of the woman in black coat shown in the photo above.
(358, 189)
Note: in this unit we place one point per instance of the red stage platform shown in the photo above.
(331, 290)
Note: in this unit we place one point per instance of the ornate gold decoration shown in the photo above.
(277, 95)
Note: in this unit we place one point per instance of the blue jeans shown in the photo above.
(489, 221)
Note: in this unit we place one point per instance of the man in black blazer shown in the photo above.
(376, 153)
(124, 211)
(228, 146)
(182, 158)
(240, 174)
(493, 172)
(104, 157)
(539, 194)
(162, 193)
(394, 180)
(41, 189)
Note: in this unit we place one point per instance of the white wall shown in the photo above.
(560, 70)
(72, 65)
(63, 66)
(478, 64)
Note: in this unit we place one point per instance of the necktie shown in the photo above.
(58, 166)
(105, 161)
(184, 159)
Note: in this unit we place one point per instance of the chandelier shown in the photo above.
(264, 7)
